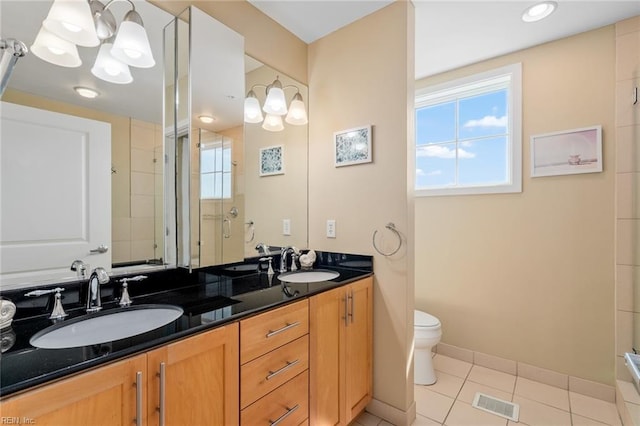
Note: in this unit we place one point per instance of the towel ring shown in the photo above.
(253, 231)
(391, 227)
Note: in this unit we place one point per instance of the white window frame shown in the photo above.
(221, 173)
(478, 84)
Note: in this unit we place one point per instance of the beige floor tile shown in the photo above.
(540, 392)
(596, 409)
(446, 384)
(629, 392)
(534, 413)
(424, 421)
(452, 366)
(469, 390)
(584, 421)
(368, 419)
(432, 404)
(493, 378)
(463, 414)
(385, 423)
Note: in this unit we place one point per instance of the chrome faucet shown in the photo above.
(263, 249)
(98, 276)
(80, 268)
(283, 257)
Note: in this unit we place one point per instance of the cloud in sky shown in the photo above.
(439, 151)
(420, 172)
(488, 121)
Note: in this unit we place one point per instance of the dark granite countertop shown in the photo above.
(210, 297)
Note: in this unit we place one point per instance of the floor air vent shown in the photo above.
(496, 406)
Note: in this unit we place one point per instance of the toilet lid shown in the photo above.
(423, 319)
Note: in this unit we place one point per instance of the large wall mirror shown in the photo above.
(275, 169)
(134, 113)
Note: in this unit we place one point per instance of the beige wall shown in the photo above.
(529, 276)
(627, 192)
(362, 75)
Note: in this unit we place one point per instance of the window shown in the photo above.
(468, 135)
(215, 171)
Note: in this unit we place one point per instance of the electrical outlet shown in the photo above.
(331, 228)
(286, 226)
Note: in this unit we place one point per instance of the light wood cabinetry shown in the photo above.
(200, 376)
(105, 396)
(274, 376)
(195, 381)
(340, 353)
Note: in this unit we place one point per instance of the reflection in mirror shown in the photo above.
(275, 170)
(207, 148)
(134, 113)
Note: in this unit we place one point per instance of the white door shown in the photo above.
(55, 194)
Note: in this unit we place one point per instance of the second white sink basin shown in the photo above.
(106, 326)
(312, 276)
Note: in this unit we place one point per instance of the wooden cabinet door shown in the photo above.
(326, 351)
(359, 343)
(102, 397)
(201, 376)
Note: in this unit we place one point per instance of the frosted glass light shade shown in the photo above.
(131, 46)
(252, 111)
(53, 49)
(275, 102)
(71, 20)
(297, 114)
(110, 69)
(273, 123)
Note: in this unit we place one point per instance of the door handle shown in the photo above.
(101, 249)
(161, 407)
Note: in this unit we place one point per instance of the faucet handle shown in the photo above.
(136, 278)
(58, 311)
(36, 293)
(125, 300)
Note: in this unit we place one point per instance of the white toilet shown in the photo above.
(427, 333)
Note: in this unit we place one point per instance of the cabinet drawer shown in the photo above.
(265, 332)
(287, 405)
(264, 374)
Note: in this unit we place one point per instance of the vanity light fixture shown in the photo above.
(539, 11)
(275, 107)
(89, 23)
(85, 92)
(206, 119)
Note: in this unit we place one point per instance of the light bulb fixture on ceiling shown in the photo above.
(539, 11)
(207, 119)
(86, 92)
(275, 107)
(90, 23)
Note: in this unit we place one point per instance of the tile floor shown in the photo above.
(448, 402)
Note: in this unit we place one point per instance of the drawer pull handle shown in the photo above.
(138, 419)
(161, 408)
(285, 328)
(284, 416)
(272, 374)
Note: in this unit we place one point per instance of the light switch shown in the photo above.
(286, 226)
(331, 228)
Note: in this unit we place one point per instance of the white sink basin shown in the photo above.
(106, 326)
(312, 276)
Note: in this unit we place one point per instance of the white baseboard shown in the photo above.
(392, 414)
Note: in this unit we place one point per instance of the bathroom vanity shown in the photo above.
(247, 349)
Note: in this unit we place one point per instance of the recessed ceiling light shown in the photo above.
(86, 92)
(539, 11)
(206, 119)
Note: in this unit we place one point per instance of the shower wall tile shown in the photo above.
(628, 149)
(624, 288)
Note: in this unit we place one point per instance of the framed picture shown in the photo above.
(567, 152)
(352, 146)
(272, 160)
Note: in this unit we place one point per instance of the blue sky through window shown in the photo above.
(463, 141)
